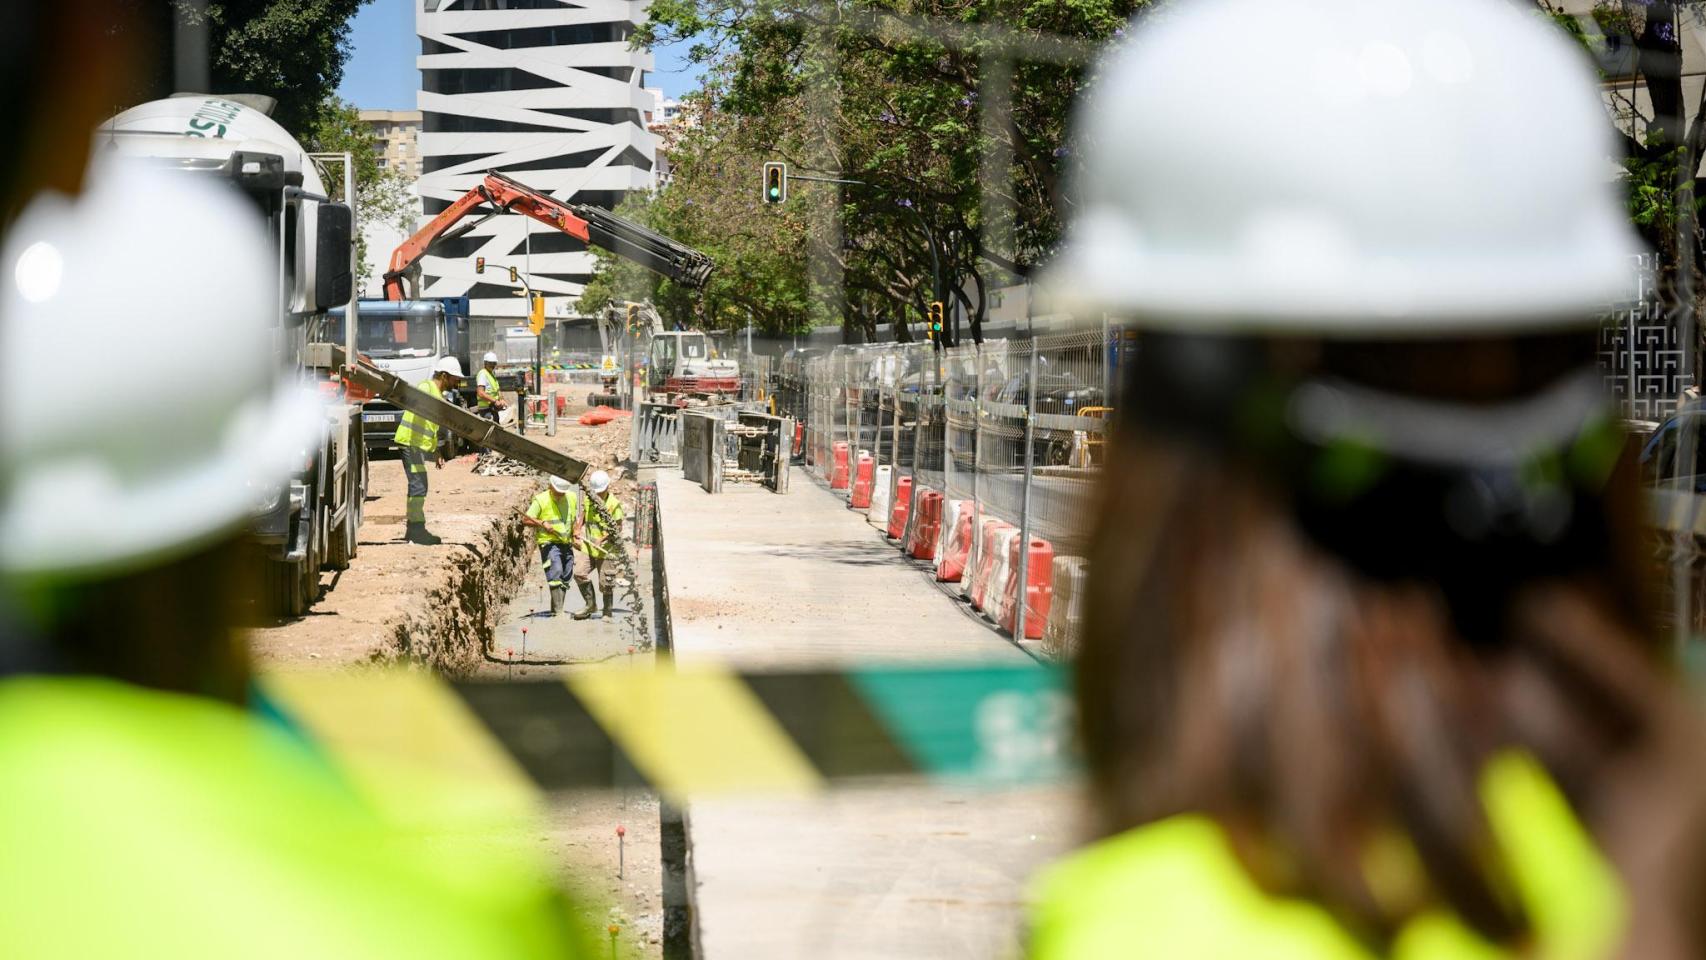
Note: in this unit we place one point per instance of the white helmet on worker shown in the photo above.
(490, 357)
(560, 485)
(599, 481)
(449, 365)
(147, 270)
(1352, 167)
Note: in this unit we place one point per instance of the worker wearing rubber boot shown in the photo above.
(418, 438)
(556, 515)
(152, 802)
(594, 555)
(1367, 670)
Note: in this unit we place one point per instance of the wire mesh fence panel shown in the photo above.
(1070, 405)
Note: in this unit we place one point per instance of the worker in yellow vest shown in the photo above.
(1367, 671)
(556, 515)
(489, 396)
(418, 438)
(596, 547)
(152, 804)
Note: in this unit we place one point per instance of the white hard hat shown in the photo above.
(449, 365)
(599, 481)
(560, 485)
(1347, 167)
(490, 357)
(147, 270)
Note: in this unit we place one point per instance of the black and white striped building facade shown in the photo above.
(548, 92)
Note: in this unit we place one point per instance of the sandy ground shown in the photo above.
(392, 584)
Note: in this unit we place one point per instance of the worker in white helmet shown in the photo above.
(1366, 671)
(597, 545)
(151, 804)
(557, 515)
(418, 438)
(488, 397)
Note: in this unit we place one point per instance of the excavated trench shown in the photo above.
(453, 630)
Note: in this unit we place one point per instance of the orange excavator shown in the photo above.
(588, 224)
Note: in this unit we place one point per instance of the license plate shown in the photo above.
(379, 418)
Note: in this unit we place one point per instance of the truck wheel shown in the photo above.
(309, 571)
(284, 589)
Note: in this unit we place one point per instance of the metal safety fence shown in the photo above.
(980, 461)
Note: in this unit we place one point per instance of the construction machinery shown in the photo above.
(310, 522)
(499, 194)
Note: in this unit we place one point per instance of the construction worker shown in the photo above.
(557, 516)
(596, 546)
(150, 805)
(1367, 670)
(489, 398)
(418, 438)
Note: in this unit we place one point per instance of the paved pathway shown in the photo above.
(759, 581)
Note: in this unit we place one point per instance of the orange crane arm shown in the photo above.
(587, 224)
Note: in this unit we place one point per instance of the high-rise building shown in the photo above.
(545, 91)
(398, 133)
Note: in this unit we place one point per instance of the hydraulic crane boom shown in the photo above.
(588, 224)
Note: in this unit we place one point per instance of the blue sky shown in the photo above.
(381, 74)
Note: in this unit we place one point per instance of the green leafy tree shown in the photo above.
(291, 50)
(858, 92)
(382, 196)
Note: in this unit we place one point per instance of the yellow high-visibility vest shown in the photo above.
(595, 526)
(1175, 888)
(488, 381)
(561, 518)
(417, 431)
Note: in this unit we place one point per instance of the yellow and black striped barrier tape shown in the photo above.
(699, 731)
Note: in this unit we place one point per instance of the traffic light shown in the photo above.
(479, 264)
(536, 316)
(775, 182)
(633, 315)
(936, 320)
(513, 276)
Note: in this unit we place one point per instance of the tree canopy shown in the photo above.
(890, 95)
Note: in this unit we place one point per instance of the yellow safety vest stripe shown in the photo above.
(417, 431)
(1175, 888)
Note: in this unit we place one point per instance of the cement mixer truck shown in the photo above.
(309, 523)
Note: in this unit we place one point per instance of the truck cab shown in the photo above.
(407, 339)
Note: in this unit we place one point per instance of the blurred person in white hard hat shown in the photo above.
(556, 515)
(151, 802)
(593, 556)
(419, 440)
(1368, 668)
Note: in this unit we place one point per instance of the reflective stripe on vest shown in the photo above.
(1175, 888)
(417, 431)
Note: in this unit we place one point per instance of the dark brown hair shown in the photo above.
(1234, 666)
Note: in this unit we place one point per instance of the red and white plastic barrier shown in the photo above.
(902, 508)
(838, 466)
(954, 546)
(991, 547)
(1066, 613)
(926, 527)
(1039, 587)
(863, 475)
(878, 515)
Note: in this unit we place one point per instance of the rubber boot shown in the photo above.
(609, 602)
(591, 602)
(416, 532)
(557, 593)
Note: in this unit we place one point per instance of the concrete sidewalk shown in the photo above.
(761, 581)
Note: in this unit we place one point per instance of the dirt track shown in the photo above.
(398, 599)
